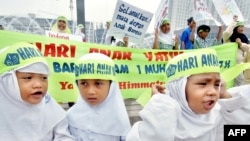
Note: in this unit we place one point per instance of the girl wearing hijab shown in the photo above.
(165, 39)
(196, 104)
(61, 25)
(28, 113)
(99, 113)
(234, 33)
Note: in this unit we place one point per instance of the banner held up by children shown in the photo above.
(137, 69)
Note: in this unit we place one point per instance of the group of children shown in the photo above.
(194, 106)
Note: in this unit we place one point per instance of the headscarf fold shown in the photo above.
(191, 125)
(109, 117)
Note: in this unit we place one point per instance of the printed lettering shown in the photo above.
(116, 55)
(155, 68)
(64, 67)
(66, 85)
(121, 69)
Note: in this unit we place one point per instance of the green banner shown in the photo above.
(137, 69)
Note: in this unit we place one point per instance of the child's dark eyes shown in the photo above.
(98, 83)
(204, 83)
(83, 83)
(29, 77)
(217, 84)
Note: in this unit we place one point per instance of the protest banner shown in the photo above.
(131, 21)
(162, 12)
(54, 34)
(137, 69)
(201, 12)
(227, 9)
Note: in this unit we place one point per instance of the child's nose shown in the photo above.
(212, 91)
(37, 84)
(91, 91)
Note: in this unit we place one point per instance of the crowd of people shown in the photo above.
(194, 105)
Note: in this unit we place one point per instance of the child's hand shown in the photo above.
(223, 90)
(156, 32)
(156, 89)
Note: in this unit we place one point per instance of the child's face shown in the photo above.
(33, 86)
(203, 34)
(202, 92)
(93, 91)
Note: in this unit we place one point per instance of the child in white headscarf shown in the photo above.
(99, 113)
(28, 113)
(196, 104)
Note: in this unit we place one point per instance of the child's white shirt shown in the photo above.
(21, 121)
(160, 119)
(107, 121)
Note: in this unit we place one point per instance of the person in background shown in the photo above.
(107, 39)
(80, 31)
(1, 27)
(99, 113)
(195, 105)
(61, 25)
(165, 39)
(28, 112)
(234, 33)
(187, 36)
(201, 40)
(123, 43)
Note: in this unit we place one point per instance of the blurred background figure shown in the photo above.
(164, 38)
(61, 25)
(1, 27)
(107, 39)
(80, 31)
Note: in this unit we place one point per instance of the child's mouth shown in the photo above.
(37, 95)
(92, 99)
(209, 104)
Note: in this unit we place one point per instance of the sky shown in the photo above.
(95, 10)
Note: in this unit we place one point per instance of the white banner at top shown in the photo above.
(227, 9)
(201, 11)
(162, 12)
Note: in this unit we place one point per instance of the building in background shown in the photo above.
(179, 12)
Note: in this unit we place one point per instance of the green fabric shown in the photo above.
(80, 26)
(239, 23)
(165, 21)
(195, 62)
(62, 18)
(19, 55)
(95, 69)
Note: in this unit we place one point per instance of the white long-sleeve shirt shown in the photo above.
(161, 115)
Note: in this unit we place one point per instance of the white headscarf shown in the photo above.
(109, 117)
(23, 121)
(79, 31)
(190, 125)
(166, 38)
